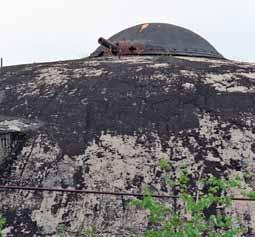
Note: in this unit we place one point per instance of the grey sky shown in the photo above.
(46, 30)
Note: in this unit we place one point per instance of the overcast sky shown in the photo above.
(48, 30)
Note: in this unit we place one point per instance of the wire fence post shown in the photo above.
(1, 62)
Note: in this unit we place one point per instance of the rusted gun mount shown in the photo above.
(109, 45)
(124, 47)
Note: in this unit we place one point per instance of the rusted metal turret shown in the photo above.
(156, 39)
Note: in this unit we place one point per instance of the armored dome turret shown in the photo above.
(156, 39)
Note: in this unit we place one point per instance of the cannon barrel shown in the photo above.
(108, 44)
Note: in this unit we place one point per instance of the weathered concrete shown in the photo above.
(105, 123)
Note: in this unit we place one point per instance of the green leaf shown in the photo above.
(164, 164)
(250, 194)
(195, 198)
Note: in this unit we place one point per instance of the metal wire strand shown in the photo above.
(78, 191)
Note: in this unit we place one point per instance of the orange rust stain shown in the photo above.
(143, 27)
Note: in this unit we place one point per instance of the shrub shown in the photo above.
(200, 209)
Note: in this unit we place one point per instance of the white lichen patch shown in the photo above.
(190, 74)
(236, 148)
(162, 77)
(52, 76)
(203, 59)
(122, 162)
(88, 72)
(27, 89)
(46, 78)
(7, 230)
(83, 214)
(159, 65)
(129, 59)
(168, 79)
(188, 86)
(207, 126)
(44, 217)
(16, 125)
(139, 69)
(244, 64)
(34, 157)
(230, 82)
(178, 150)
(91, 63)
(250, 75)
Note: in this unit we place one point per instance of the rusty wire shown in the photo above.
(81, 191)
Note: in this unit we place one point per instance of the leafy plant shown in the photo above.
(90, 232)
(62, 230)
(200, 210)
(2, 223)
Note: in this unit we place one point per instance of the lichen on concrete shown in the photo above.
(104, 125)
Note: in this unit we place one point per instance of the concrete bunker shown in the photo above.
(109, 118)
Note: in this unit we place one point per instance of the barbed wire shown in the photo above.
(96, 192)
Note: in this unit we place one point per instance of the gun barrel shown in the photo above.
(108, 44)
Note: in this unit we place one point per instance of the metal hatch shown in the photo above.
(156, 39)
